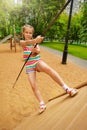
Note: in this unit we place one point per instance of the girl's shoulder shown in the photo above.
(22, 42)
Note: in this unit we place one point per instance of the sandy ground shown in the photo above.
(20, 102)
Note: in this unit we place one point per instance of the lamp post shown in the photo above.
(64, 58)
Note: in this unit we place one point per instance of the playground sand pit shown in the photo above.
(20, 102)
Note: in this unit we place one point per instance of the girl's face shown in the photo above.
(28, 33)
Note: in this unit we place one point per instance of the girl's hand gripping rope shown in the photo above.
(39, 39)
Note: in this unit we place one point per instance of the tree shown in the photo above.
(58, 30)
(75, 27)
(5, 7)
(35, 12)
(83, 34)
(38, 15)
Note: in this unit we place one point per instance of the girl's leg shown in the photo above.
(32, 80)
(43, 67)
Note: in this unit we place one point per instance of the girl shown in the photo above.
(36, 64)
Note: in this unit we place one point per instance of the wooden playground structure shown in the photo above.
(13, 41)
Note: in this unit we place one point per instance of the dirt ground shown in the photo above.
(20, 102)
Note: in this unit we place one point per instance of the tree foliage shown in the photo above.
(83, 33)
(39, 13)
(5, 8)
(75, 27)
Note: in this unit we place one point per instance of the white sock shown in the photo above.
(42, 102)
(65, 87)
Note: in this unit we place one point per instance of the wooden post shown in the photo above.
(13, 43)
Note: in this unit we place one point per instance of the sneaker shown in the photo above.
(42, 108)
(71, 91)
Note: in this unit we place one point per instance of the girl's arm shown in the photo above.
(38, 39)
(36, 49)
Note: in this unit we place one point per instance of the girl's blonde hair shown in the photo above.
(29, 26)
(24, 27)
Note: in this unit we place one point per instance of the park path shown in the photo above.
(64, 113)
(76, 60)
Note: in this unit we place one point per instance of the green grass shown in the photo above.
(75, 50)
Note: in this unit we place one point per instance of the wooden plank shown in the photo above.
(5, 39)
(77, 87)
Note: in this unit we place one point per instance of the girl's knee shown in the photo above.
(33, 88)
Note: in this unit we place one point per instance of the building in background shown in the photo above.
(76, 6)
(18, 2)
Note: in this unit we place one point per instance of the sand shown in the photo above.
(20, 102)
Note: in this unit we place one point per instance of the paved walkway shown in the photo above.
(76, 60)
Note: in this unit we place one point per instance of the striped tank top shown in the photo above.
(31, 63)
